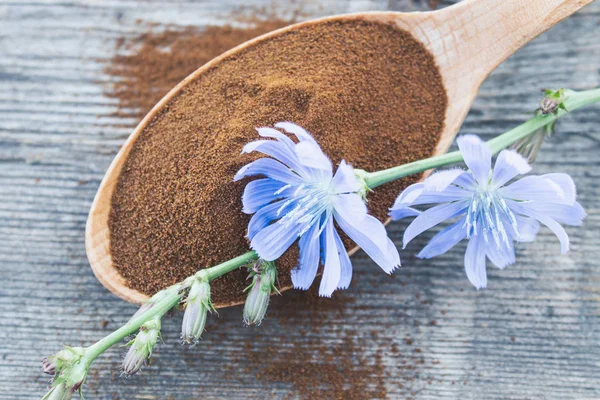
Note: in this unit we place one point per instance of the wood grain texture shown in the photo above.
(533, 334)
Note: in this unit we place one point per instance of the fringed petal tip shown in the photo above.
(393, 269)
(300, 287)
(509, 164)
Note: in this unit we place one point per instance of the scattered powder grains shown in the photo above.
(163, 59)
(316, 367)
(368, 91)
(318, 356)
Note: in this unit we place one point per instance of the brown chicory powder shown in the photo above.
(368, 91)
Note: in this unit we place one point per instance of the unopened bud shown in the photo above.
(64, 359)
(141, 346)
(264, 275)
(197, 306)
(49, 366)
(548, 105)
(552, 101)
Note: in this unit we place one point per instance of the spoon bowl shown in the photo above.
(467, 40)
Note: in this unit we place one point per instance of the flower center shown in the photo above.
(307, 204)
(488, 213)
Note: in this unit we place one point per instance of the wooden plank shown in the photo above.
(533, 334)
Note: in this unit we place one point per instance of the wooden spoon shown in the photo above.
(467, 40)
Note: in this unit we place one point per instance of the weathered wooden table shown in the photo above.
(423, 333)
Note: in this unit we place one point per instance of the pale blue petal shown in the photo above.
(278, 151)
(269, 168)
(451, 193)
(301, 133)
(311, 156)
(563, 213)
(409, 195)
(259, 193)
(566, 184)
(528, 228)
(477, 155)
(345, 264)
(309, 245)
(466, 181)
(401, 212)
(475, 261)
(366, 231)
(555, 227)
(536, 188)
(439, 181)
(272, 241)
(344, 180)
(416, 194)
(351, 204)
(332, 268)
(432, 217)
(500, 257)
(444, 240)
(275, 134)
(508, 165)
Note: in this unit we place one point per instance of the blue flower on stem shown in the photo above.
(300, 197)
(491, 214)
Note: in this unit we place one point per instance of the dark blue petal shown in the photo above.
(271, 242)
(259, 193)
(309, 245)
(265, 216)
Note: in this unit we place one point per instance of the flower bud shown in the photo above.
(548, 105)
(49, 366)
(64, 359)
(141, 346)
(197, 306)
(263, 276)
(552, 101)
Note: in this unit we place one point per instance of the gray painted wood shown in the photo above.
(533, 334)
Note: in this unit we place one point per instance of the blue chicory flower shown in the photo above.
(300, 197)
(491, 214)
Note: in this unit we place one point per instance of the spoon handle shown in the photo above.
(477, 35)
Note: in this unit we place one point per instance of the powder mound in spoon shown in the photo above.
(369, 93)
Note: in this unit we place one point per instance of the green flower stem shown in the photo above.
(573, 101)
(170, 298)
